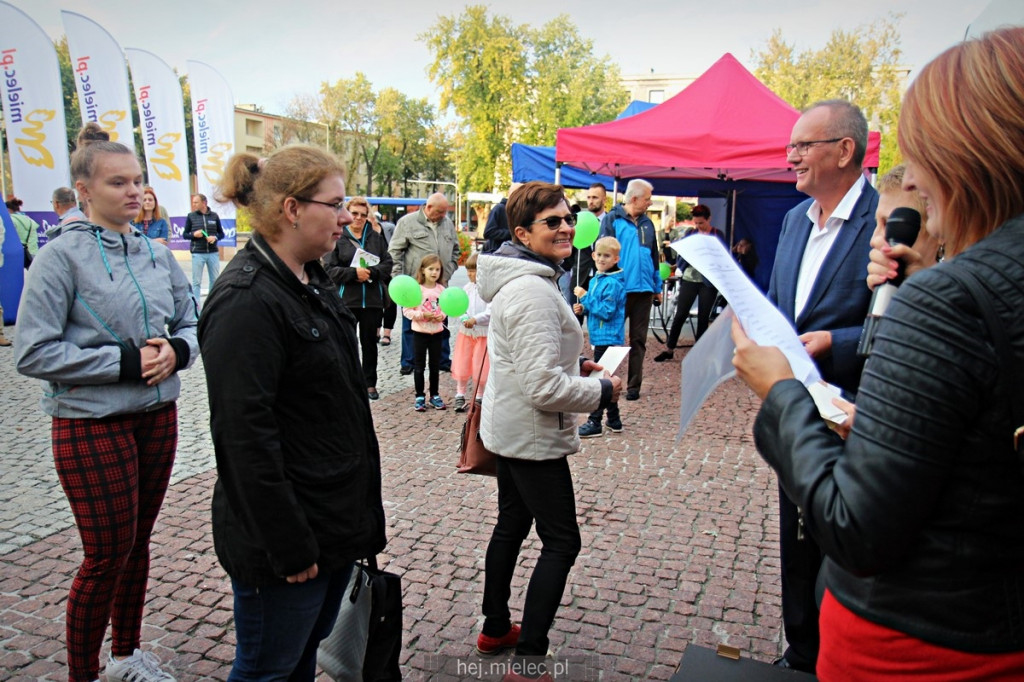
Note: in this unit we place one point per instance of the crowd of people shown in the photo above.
(901, 532)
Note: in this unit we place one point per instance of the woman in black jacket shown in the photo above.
(361, 282)
(297, 498)
(921, 510)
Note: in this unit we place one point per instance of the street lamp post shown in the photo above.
(458, 211)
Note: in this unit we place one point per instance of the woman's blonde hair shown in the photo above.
(963, 122)
(92, 142)
(263, 185)
(358, 201)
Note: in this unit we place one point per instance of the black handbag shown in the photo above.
(366, 641)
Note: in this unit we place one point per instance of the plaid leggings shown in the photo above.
(114, 471)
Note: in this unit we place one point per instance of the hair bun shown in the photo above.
(92, 132)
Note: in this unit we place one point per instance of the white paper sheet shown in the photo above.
(761, 320)
(364, 259)
(707, 365)
(612, 358)
(709, 362)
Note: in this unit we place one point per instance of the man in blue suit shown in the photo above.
(818, 284)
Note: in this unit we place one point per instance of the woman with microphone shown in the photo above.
(920, 511)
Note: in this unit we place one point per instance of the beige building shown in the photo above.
(258, 132)
(655, 87)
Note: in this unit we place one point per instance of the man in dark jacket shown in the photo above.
(818, 284)
(496, 231)
(204, 231)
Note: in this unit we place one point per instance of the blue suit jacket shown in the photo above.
(840, 298)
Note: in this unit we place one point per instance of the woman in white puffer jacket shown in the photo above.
(538, 384)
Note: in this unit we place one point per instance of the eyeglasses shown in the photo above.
(803, 147)
(358, 214)
(338, 207)
(555, 221)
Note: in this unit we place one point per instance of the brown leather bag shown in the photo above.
(474, 458)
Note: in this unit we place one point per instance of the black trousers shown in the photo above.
(421, 344)
(801, 560)
(705, 295)
(638, 314)
(613, 408)
(390, 315)
(368, 321)
(531, 491)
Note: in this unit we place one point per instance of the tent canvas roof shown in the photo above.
(726, 125)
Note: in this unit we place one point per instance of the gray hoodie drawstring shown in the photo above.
(103, 254)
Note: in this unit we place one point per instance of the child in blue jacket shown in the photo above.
(605, 305)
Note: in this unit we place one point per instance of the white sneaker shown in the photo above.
(141, 666)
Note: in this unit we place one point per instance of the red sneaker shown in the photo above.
(516, 677)
(490, 646)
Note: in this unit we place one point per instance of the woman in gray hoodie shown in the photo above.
(106, 321)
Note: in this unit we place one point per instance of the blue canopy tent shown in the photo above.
(635, 107)
(754, 209)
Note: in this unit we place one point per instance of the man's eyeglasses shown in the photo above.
(555, 221)
(803, 147)
(358, 214)
(338, 207)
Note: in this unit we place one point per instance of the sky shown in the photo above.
(272, 50)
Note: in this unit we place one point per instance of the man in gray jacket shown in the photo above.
(427, 231)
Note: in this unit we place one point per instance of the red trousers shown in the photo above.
(114, 472)
(853, 649)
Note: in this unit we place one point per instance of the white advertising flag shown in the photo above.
(213, 132)
(101, 77)
(33, 108)
(162, 127)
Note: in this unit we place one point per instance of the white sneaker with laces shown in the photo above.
(141, 666)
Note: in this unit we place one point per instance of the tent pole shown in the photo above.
(558, 172)
(732, 221)
(615, 191)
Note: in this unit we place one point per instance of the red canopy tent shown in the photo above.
(725, 125)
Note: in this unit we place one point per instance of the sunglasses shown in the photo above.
(555, 221)
(358, 214)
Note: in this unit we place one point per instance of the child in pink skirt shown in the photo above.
(471, 341)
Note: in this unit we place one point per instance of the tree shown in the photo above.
(861, 66)
(512, 83)
(481, 64)
(568, 86)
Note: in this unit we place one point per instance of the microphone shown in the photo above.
(901, 228)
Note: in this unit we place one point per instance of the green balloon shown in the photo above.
(454, 302)
(665, 271)
(405, 291)
(587, 227)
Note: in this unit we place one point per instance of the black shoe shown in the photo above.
(633, 394)
(445, 368)
(783, 662)
(405, 371)
(663, 356)
(372, 393)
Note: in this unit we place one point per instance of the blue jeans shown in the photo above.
(279, 627)
(530, 491)
(408, 352)
(212, 263)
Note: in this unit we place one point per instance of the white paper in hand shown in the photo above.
(612, 358)
(761, 320)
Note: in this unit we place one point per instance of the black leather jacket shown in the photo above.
(921, 510)
(298, 464)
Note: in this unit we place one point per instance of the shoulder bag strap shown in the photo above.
(1003, 349)
(479, 373)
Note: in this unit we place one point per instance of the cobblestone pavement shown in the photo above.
(679, 539)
